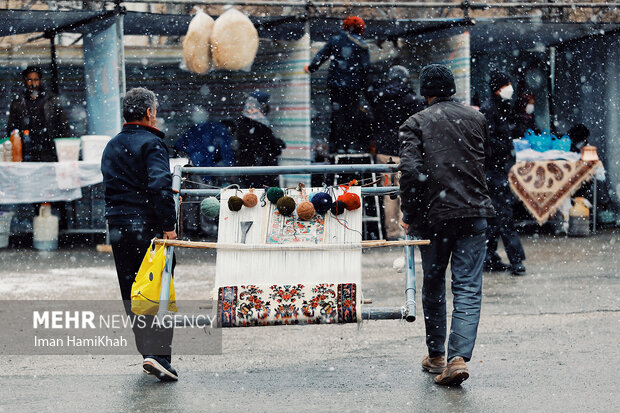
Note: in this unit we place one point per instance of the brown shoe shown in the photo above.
(434, 364)
(454, 374)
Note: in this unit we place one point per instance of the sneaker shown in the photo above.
(454, 374)
(517, 269)
(434, 364)
(495, 266)
(160, 367)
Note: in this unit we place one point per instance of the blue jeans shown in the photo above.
(462, 242)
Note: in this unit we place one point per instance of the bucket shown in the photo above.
(5, 228)
(45, 229)
(67, 149)
(93, 146)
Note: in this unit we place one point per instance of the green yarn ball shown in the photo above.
(286, 205)
(274, 193)
(210, 207)
(235, 203)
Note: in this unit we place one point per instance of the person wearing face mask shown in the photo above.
(256, 143)
(139, 206)
(502, 124)
(524, 114)
(40, 112)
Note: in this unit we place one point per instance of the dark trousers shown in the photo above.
(129, 244)
(460, 242)
(344, 106)
(503, 223)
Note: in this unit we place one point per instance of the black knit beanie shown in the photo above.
(498, 80)
(437, 81)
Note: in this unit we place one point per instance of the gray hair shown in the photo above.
(136, 102)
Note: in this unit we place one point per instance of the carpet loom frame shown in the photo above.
(407, 311)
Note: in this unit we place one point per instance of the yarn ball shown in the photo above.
(305, 210)
(210, 207)
(311, 195)
(351, 200)
(286, 205)
(250, 200)
(274, 193)
(338, 207)
(235, 203)
(322, 201)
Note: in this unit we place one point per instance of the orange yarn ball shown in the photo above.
(250, 200)
(305, 210)
(351, 201)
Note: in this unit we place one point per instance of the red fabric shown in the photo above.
(354, 24)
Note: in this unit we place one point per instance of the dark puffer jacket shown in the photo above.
(392, 104)
(136, 174)
(442, 164)
(501, 121)
(350, 61)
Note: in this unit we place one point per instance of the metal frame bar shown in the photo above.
(407, 312)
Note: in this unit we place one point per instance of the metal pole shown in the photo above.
(55, 87)
(410, 306)
(366, 191)
(290, 169)
(395, 313)
(166, 275)
(594, 207)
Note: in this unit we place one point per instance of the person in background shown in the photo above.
(525, 118)
(139, 206)
(499, 116)
(256, 143)
(39, 112)
(392, 104)
(207, 144)
(445, 199)
(346, 78)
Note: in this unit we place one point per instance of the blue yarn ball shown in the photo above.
(311, 196)
(210, 207)
(322, 201)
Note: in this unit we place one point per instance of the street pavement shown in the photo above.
(548, 341)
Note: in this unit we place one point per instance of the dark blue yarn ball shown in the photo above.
(322, 201)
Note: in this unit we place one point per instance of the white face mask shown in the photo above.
(506, 92)
(529, 109)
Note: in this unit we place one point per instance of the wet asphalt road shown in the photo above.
(548, 341)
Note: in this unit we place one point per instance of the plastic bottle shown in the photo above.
(16, 142)
(579, 218)
(45, 229)
(8, 150)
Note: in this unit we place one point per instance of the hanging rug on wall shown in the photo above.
(543, 186)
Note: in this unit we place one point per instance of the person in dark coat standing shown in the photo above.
(392, 104)
(256, 143)
(346, 79)
(499, 115)
(139, 206)
(39, 112)
(445, 199)
(525, 118)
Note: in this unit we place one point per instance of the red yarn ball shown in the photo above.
(352, 201)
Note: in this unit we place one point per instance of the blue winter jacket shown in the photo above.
(350, 61)
(136, 174)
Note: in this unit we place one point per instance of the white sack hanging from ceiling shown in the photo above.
(196, 50)
(234, 41)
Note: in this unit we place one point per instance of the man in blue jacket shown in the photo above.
(346, 79)
(140, 206)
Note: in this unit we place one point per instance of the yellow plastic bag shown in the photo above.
(145, 290)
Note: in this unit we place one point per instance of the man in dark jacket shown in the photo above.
(499, 115)
(39, 112)
(139, 207)
(392, 104)
(445, 199)
(346, 79)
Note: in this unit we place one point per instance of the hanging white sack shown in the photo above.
(196, 50)
(234, 41)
